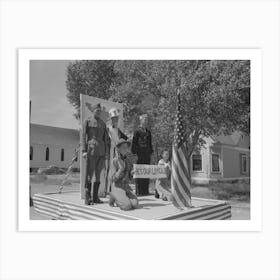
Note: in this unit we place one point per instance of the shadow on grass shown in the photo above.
(235, 190)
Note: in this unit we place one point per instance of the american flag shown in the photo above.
(180, 176)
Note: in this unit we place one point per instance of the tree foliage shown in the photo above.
(89, 77)
(215, 94)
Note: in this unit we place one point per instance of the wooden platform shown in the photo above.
(69, 206)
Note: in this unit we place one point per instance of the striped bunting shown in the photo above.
(180, 177)
(61, 210)
(66, 210)
(213, 212)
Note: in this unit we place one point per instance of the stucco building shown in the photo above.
(52, 146)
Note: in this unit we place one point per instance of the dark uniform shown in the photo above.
(142, 147)
(95, 144)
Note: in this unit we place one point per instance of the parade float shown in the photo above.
(69, 205)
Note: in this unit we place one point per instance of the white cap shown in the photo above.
(114, 112)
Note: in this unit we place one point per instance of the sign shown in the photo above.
(149, 171)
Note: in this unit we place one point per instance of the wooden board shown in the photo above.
(69, 206)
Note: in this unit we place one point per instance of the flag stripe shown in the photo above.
(181, 172)
(179, 191)
(183, 149)
(184, 158)
(176, 200)
(182, 179)
(180, 182)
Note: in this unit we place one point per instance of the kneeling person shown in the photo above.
(121, 193)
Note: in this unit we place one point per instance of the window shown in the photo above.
(196, 163)
(47, 154)
(62, 155)
(243, 164)
(31, 153)
(215, 163)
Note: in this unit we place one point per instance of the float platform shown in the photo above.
(70, 206)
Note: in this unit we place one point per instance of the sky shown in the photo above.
(48, 94)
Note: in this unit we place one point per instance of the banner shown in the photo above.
(149, 171)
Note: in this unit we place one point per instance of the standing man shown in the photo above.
(115, 135)
(142, 147)
(95, 149)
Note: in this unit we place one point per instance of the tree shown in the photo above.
(90, 77)
(215, 94)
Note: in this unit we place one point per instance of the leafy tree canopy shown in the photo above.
(215, 94)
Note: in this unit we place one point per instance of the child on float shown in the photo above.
(163, 185)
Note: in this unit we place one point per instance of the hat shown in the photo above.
(92, 107)
(142, 116)
(122, 141)
(114, 112)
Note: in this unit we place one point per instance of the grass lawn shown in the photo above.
(236, 193)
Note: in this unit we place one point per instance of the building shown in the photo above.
(52, 146)
(224, 157)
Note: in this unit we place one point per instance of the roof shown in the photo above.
(43, 134)
(232, 139)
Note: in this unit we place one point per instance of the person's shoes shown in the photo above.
(98, 201)
(111, 201)
(156, 194)
(88, 201)
(95, 197)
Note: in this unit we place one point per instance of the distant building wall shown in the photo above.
(39, 156)
(204, 171)
(216, 162)
(233, 166)
(222, 161)
(60, 142)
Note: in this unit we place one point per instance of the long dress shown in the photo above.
(163, 186)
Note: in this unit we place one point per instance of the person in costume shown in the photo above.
(122, 194)
(115, 135)
(95, 148)
(163, 185)
(142, 147)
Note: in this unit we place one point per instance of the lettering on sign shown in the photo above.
(149, 171)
